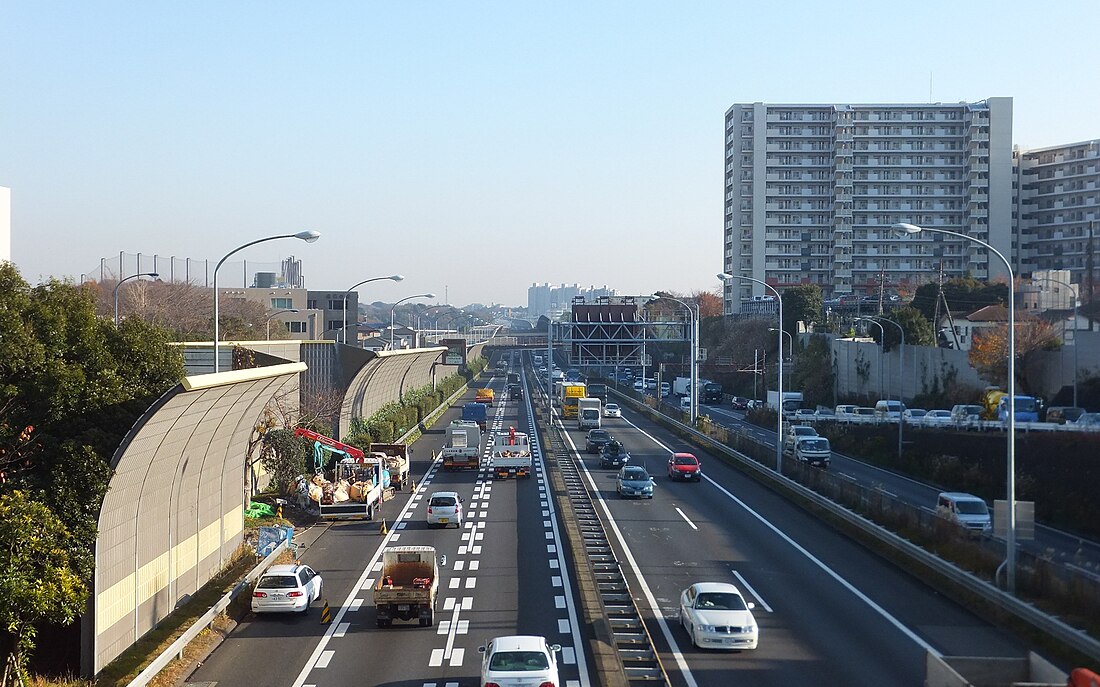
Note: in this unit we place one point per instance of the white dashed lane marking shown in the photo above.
(356, 605)
(559, 602)
(323, 662)
(563, 626)
(341, 630)
(554, 563)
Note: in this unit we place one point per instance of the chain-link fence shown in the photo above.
(198, 272)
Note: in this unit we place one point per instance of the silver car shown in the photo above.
(445, 508)
(286, 589)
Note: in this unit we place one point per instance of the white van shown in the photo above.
(665, 389)
(685, 404)
(965, 510)
(889, 410)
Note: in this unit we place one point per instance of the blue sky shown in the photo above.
(472, 147)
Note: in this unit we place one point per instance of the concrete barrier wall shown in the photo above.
(385, 378)
(174, 514)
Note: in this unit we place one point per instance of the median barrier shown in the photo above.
(948, 574)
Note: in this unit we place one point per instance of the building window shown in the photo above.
(282, 303)
(334, 324)
(336, 304)
(311, 304)
(296, 327)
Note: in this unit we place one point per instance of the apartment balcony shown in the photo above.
(842, 272)
(978, 212)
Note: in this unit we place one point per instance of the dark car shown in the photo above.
(596, 440)
(1060, 415)
(515, 391)
(613, 455)
(740, 403)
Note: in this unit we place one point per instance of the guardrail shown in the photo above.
(177, 647)
(1064, 633)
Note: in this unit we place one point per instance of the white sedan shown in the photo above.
(715, 616)
(519, 660)
(286, 588)
(612, 410)
(936, 418)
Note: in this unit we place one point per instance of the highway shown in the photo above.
(507, 572)
(829, 611)
(1048, 541)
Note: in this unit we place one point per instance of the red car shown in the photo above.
(684, 466)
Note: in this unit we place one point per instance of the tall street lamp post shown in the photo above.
(344, 331)
(790, 341)
(1075, 301)
(307, 236)
(882, 348)
(724, 277)
(393, 309)
(154, 275)
(1010, 545)
(693, 322)
(274, 314)
(901, 379)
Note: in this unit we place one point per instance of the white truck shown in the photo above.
(588, 413)
(792, 401)
(511, 454)
(463, 449)
(356, 490)
(408, 586)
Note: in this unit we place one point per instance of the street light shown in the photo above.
(881, 350)
(344, 331)
(307, 236)
(1010, 558)
(394, 308)
(154, 275)
(280, 312)
(1075, 301)
(901, 378)
(693, 321)
(790, 340)
(724, 277)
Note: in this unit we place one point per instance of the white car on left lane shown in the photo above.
(715, 616)
(286, 588)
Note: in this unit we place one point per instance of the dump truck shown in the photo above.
(484, 395)
(571, 392)
(408, 586)
(396, 457)
(511, 454)
(463, 449)
(475, 412)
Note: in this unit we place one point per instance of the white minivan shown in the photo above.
(889, 410)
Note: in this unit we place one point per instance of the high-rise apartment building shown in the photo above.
(544, 299)
(811, 193)
(1057, 205)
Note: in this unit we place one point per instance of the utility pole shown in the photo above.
(881, 286)
(939, 290)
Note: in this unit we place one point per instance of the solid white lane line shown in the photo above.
(746, 585)
(798, 547)
(686, 518)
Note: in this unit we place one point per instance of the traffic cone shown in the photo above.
(382, 530)
(279, 512)
(326, 614)
(412, 487)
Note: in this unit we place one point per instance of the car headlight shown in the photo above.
(705, 628)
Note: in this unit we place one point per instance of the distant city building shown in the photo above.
(1048, 290)
(5, 224)
(811, 193)
(544, 299)
(1057, 207)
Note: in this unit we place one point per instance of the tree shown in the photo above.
(963, 294)
(284, 457)
(708, 302)
(989, 351)
(918, 330)
(801, 303)
(39, 583)
(813, 372)
(71, 386)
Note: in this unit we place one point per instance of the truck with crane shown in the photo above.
(347, 482)
(511, 454)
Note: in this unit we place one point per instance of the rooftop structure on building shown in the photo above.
(812, 191)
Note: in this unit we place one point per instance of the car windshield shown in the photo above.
(864, 411)
(971, 507)
(683, 460)
(815, 444)
(278, 582)
(599, 435)
(916, 413)
(612, 447)
(612, 406)
(636, 475)
(442, 501)
(721, 601)
(518, 660)
(805, 431)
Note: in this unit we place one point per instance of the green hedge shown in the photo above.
(394, 419)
